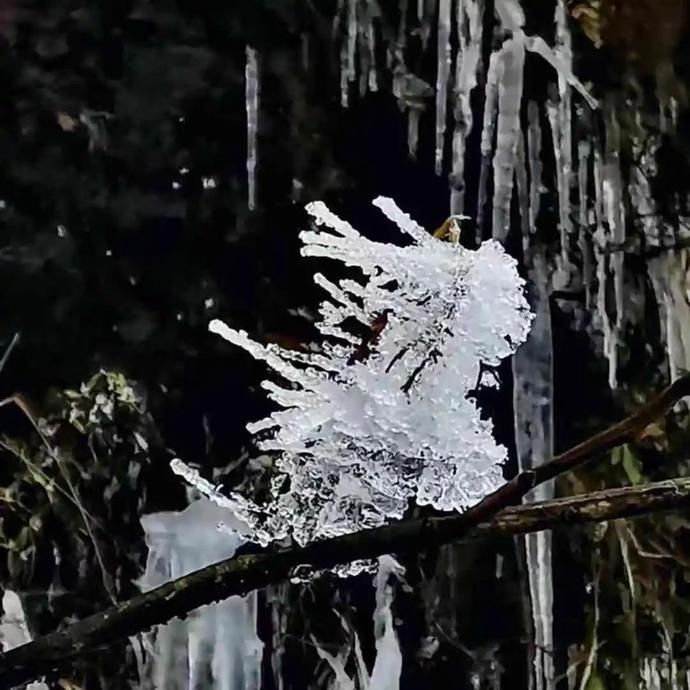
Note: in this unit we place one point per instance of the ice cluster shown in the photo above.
(365, 427)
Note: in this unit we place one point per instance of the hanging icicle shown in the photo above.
(215, 647)
(602, 244)
(535, 167)
(252, 106)
(523, 193)
(507, 132)
(366, 48)
(614, 213)
(533, 409)
(443, 64)
(493, 77)
(348, 49)
(560, 142)
(584, 150)
(372, 76)
(427, 9)
(469, 37)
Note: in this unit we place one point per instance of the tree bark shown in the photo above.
(251, 571)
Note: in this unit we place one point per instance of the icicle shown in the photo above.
(523, 193)
(670, 280)
(388, 665)
(564, 55)
(562, 175)
(413, 117)
(427, 9)
(443, 64)
(612, 185)
(366, 49)
(410, 91)
(371, 47)
(402, 29)
(535, 167)
(217, 641)
(348, 50)
(493, 76)
(510, 15)
(584, 151)
(277, 597)
(363, 52)
(469, 37)
(252, 105)
(533, 409)
(601, 241)
(508, 131)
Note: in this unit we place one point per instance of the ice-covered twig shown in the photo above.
(239, 575)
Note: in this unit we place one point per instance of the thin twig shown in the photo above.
(8, 351)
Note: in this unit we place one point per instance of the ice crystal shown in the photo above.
(366, 427)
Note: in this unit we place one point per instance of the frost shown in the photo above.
(366, 426)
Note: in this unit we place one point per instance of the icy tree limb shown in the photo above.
(493, 516)
(252, 571)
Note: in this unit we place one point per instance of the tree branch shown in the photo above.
(491, 516)
(252, 571)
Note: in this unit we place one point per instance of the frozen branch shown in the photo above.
(493, 516)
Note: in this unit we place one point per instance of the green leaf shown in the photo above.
(631, 465)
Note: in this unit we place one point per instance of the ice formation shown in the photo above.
(468, 24)
(216, 646)
(533, 410)
(14, 630)
(365, 427)
(387, 669)
(252, 108)
(442, 77)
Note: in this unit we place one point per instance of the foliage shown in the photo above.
(640, 569)
(72, 490)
